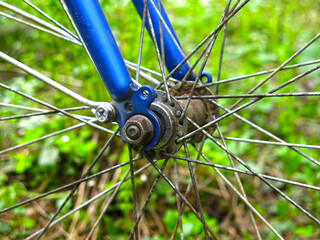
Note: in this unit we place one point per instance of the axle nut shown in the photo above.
(138, 130)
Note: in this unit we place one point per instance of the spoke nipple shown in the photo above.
(202, 91)
(178, 113)
(164, 98)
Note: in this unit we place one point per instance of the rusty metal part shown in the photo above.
(138, 130)
(200, 111)
(171, 128)
(197, 111)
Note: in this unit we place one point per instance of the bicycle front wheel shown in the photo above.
(248, 171)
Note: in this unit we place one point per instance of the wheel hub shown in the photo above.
(201, 111)
(139, 130)
(168, 114)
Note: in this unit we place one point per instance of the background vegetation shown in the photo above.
(261, 37)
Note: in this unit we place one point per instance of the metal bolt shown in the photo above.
(133, 132)
(145, 93)
(100, 115)
(105, 113)
(178, 113)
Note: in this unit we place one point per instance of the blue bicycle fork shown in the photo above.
(97, 36)
(104, 52)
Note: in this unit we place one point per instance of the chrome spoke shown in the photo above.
(181, 196)
(54, 108)
(48, 81)
(267, 133)
(266, 95)
(144, 207)
(187, 192)
(217, 29)
(180, 210)
(145, 10)
(259, 176)
(162, 21)
(44, 112)
(162, 68)
(42, 138)
(221, 55)
(204, 63)
(103, 212)
(161, 34)
(69, 185)
(271, 143)
(76, 186)
(134, 195)
(36, 20)
(74, 210)
(38, 28)
(195, 188)
(86, 203)
(51, 19)
(143, 75)
(134, 66)
(229, 80)
(247, 104)
(41, 112)
(280, 180)
(244, 200)
(22, 107)
(207, 52)
(238, 181)
(278, 69)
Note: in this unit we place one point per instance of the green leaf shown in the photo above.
(304, 231)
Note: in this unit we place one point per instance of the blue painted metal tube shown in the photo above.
(97, 36)
(172, 54)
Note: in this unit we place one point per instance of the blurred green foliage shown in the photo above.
(262, 36)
